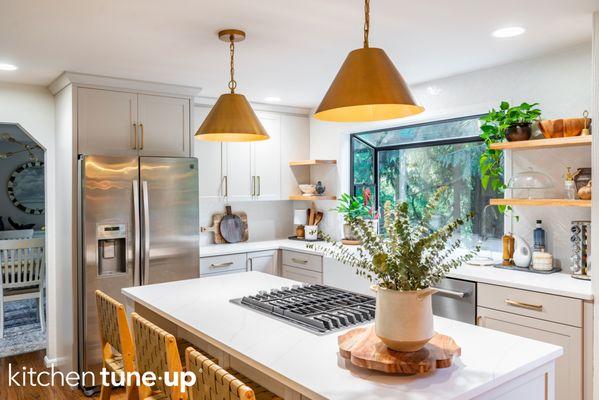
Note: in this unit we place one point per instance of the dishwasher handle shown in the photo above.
(452, 293)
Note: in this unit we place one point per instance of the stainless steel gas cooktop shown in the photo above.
(316, 308)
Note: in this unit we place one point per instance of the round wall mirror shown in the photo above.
(26, 187)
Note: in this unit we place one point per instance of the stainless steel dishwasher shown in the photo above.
(455, 299)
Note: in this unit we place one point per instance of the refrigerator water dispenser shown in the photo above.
(112, 249)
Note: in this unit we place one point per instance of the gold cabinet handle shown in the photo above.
(142, 136)
(299, 261)
(514, 303)
(226, 185)
(134, 136)
(253, 185)
(259, 184)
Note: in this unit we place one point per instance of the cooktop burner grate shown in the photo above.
(317, 308)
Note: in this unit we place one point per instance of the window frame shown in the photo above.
(420, 144)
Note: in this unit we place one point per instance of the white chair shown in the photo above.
(22, 267)
(16, 234)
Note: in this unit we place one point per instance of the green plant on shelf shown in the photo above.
(494, 125)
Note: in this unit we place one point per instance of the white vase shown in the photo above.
(404, 320)
(522, 252)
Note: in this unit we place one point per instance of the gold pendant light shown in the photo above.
(368, 87)
(232, 118)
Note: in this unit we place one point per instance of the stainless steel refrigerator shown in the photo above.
(138, 225)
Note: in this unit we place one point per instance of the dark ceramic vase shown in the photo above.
(516, 133)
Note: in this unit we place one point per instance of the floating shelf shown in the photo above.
(544, 143)
(541, 202)
(311, 162)
(312, 198)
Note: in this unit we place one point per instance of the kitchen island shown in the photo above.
(293, 362)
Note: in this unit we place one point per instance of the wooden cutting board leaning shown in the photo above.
(217, 218)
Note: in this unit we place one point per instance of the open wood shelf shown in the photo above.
(544, 143)
(311, 162)
(541, 202)
(312, 198)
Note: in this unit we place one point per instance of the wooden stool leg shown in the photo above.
(133, 393)
(105, 392)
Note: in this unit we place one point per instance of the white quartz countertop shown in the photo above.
(311, 363)
(559, 283)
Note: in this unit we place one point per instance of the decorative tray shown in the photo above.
(303, 240)
(363, 348)
(527, 269)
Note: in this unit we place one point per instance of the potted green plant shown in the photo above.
(403, 266)
(507, 123)
(354, 207)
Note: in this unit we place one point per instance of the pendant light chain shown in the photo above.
(366, 22)
(232, 82)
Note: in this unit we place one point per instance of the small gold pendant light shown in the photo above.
(368, 87)
(232, 118)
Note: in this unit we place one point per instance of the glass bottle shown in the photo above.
(539, 237)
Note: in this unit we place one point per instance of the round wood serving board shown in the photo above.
(363, 348)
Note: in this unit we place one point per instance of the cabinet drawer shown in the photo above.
(219, 264)
(302, 260)
(301, 275)
(568, 368)
(549, 307)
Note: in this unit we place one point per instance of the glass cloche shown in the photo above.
(533, 183)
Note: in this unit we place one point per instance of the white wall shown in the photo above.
(32, 107)
(560, 81)
(267, 220)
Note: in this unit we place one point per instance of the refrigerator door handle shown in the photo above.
(146, 233)
(136, 234)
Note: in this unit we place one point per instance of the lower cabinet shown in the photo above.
(512, 310)
(301, 275)
(226, 264)
(302, 267)
(263, 261)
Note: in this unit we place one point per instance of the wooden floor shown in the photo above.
(36, 362)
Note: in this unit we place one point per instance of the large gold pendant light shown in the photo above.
(232, 118)
(368, 87)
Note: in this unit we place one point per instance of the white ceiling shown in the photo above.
(293, 48)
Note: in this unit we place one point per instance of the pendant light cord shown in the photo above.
(232, 82)
(366, 22)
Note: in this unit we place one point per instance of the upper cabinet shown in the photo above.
(251, 171)
(211, 168)
(266, 161)
(111, 122)
(164, 126)
(106, 121)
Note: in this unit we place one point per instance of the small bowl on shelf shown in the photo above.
(308, 190)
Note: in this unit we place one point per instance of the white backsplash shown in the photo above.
(556, 220)
(267, 220)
